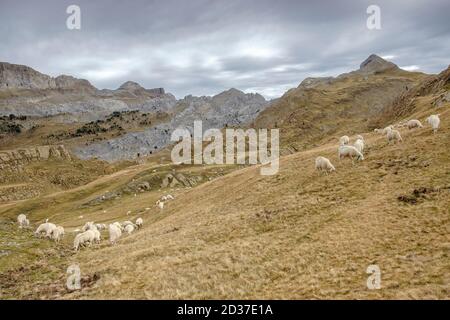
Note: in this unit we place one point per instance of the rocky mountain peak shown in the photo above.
(15, 76)
(72, 83)
(135, 87)
(375, 63)
(131, 85)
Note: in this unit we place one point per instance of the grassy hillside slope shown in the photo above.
(294, 235)
(237, 234)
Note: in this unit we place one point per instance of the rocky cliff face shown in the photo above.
(13, 76)
(25, 91)
(13, 160)
(229, 108)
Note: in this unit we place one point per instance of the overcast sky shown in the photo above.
(203, 47)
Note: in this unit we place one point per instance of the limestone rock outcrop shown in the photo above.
(14, 159)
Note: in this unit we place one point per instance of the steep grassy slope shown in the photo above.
(294, 235)
(237, 234)
(313, 114)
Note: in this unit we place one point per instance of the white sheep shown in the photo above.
(383, 131)
(139, 222)
(344, 140)
(97, 235)
(160, 204)
(23, 221)
(324, 164)
(100, 226)
(359, 144)
(128, 213)
(58, 233)
(349, 151)
(46, 228)
(434, 121)
(126, 223)
(89, 226)
(129, 228)
(393, 135)
(87, 237)
(118, 225)
(414, 123)
(114, 233)
(170, 197)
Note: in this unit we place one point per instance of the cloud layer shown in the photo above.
(202, 47)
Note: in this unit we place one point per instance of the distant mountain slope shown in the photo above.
(120, 124)
(323, 108)
(229, 108)
(434, 89)
(25, 91)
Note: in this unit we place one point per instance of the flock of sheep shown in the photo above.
(356, 151)
(90, 233)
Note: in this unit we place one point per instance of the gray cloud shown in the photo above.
(202, 47)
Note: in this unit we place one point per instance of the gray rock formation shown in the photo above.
(375, 63)
(13, 160)
(229, 108)
(26, 91)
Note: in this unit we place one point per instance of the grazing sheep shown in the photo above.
(22, 220)
(46, 228)
(118, 225)
(100, 226)
(324, 164)
(349, 151)
(97, 235)
(383, 131)
(114, 233)
(434, 121)
(126, 223)
(89, 226)
(128, 213)
(393, 135)
(163, 198)
(359, 144)
(160, 204)
(170, 197)
(139, 222)
(129, 228)
(58, 233)
(414, 124)
(344, 140)
(87, 237)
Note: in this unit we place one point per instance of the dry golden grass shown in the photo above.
(297, 234)
(294, 235)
